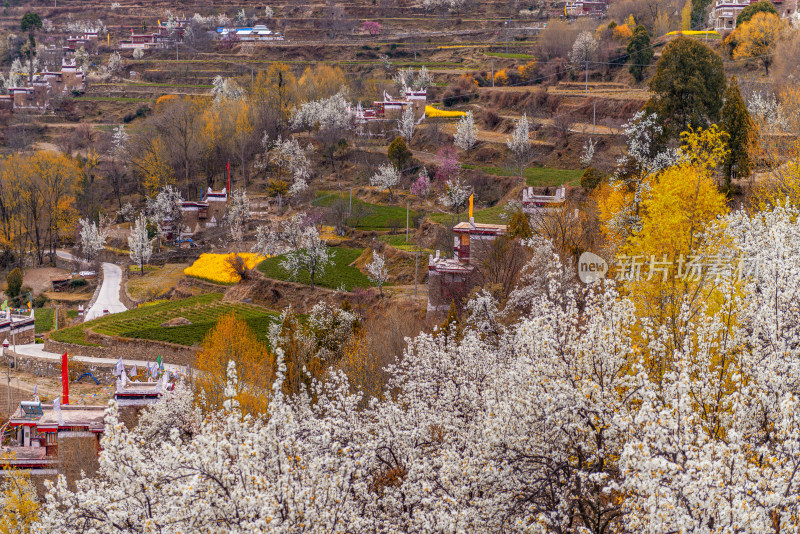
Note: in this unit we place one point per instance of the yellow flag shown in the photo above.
(471, 197)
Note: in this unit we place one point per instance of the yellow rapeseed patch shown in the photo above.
(693, 32)
(431, 111)
(215, 267)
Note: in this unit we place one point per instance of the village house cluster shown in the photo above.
(37, 93)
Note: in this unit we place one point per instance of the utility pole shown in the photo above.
(416, 268)
(594, 116)
(587, 76)
(406, 221)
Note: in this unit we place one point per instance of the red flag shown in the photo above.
(64, 379)
(228, 166)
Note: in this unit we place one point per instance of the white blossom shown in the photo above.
(376, 268)
(466, 135)
(387, 177)
(415, 80)
(286, 236)
(588, 152)
(520, 144)
(237, 215)
(92, 238)
(326, 113)
(225, 89)
(139, 243)
(114, 63)
(290, 158)
(165, 207)
(583, 49)
(119, 141)
(406, 124)
(455, 195)
(313, 256)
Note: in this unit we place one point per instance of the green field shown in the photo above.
(43, 318)
(510, 55)
(537, 176)
(399, 242)
(379, 217)
(144, 322)
(485, 216)
(338, 273)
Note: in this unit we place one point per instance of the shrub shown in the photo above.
(490, 118)
(591, 178)
(462, 90)
(399, 153)
(78, 282)
(488, 189)
(501, 78)
(40, 301)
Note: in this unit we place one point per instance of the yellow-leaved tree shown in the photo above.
(19, 506)
(321, 81)
(275, 92)
(231, 339)
(686, 16)
(154, 169)
(674, 264)
(758, 38)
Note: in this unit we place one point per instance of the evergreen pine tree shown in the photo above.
(640, 52)
(742, 131)
(687, 88)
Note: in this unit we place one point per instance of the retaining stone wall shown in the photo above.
(104, 373)
(132, 349)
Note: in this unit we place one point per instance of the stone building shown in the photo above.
(36, 96)
(199, 215)
(726, 11)
(451, 279)
(19, 329)
(51, 440)
(55, 439)
(536, 204)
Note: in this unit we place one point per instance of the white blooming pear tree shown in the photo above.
(406, 124)
(466, 136)
(455, 195)
(165, 207)
(376, 268)
(520, 144)
(387, 177)
(237, 215)
(286, 236)
(139, 243)
(312, 256)
(92, 238)
(547, 418)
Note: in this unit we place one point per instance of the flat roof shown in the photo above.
(88, 416)
(479, 227)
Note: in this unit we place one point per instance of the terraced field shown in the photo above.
(145, 322)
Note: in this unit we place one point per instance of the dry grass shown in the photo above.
(68, 297)
(156, 283)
